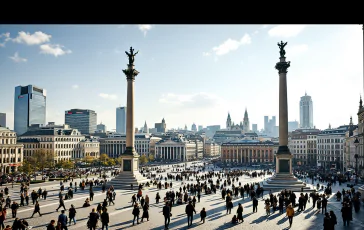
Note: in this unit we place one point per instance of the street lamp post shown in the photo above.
(356, 156)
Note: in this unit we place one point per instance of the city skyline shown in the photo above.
(215, 69)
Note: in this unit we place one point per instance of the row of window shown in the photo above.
(8, 141)
(9, 160)
(7, 134)
(10, 150)
(336, 140)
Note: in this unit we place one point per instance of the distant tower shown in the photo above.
(185, 127)
(306, 112)
(194, 127)
(246, 124)
(329, 126)
(146, 130)
(228, 122)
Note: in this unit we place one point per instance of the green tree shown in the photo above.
(143, 159)
(118, 161)
(67, 164)
(151, 157)
(43, 159)
(111, 162)
(88, 159)
(27, 166)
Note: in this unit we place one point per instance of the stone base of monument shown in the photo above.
(125, 179)
(287, 181)
(129, 171)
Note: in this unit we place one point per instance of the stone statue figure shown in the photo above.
(131, 55)
(281, 46)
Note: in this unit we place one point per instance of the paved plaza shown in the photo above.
(121, 213)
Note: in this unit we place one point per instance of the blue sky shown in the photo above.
(188, 73)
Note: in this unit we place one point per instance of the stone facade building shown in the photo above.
(248, 152)
(115, 144)
(212, 149)
(11, 152)
(62, 141)
(302, 144)
(330, 148)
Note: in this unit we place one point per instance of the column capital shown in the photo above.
(282, 66)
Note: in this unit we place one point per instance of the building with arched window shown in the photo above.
(11, 152)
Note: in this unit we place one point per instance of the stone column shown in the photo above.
(130, 131)
(282, 67)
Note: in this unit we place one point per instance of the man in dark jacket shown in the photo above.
(63, 220)
(324, 204)
(189, 211)
(93, 218)
(167, 215)
(136, 213)
(51, 226)
(105, 219)
(255, 204)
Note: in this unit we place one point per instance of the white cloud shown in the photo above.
(195, 101)
(255, 32)
(32, 39)
(286, 31)
(231, 44)
(145, 28)
(75, 86)
(56, 50)
(18, 59)
(108, 96)
(296, 49)
(205, 53)
(7, 38)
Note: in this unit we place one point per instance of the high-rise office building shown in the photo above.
(266, 120)
(292, 125)
(200, 128)
(29, 107)
(194, 127)
(2, 119)
(121, 120)
(82, 119)
(255, 127)
(101, 128)
(306, 112)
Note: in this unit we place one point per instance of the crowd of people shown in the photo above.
(187, 188)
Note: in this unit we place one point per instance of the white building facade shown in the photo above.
(11, 152)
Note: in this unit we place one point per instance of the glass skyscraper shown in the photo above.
(121, 120)
(29, 107)
(306, 112)
(84, 120)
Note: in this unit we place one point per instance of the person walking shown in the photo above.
(93, 218)
(229, 206)
(91, 194)
(328, 225)
(345, 214)
(14, 208)
(136, 213)
(189, 211)
(61, 204)
(36, 209)
(105, 219)
(51, 226)
(290, 214)
(333, 219)
(255, 204)
(324, 204)
(62, 218)
(167, 215)
(72, 214)
(145, 212)
(239, 213)
(203, 215)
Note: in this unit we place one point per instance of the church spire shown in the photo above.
(351, 121)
